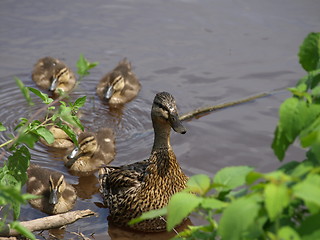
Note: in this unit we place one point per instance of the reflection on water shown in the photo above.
(87, 186)
(117, 233)
(202, 52)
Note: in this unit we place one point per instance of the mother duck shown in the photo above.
(130, 190)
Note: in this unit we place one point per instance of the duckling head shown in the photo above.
(164, 111)
(60, 77)
(88, 145)
(116, 84)
(57, 186)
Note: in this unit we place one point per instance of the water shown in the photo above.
(202, 52)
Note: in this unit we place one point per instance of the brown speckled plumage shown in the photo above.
(119, 85)
(132, 189)
(42, 182)
(95, 150)
(49, 69)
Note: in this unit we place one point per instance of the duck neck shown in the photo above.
(161, 136)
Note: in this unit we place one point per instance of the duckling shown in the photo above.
(61, 139)
(57, 195)
(94, 151)
(130, 190)
(120, 85)
(52, 74)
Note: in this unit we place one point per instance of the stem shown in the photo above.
(6, 143)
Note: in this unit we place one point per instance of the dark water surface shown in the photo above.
(203, 52)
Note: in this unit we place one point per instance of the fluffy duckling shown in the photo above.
(120, 85)
(52, 74)
(130, 190)
(61, 139)
(57, 195)
(94, 151)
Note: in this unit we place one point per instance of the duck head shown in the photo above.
(61, 76)
(116, 84)
(57, 186)
(88, 145)
(164, 109)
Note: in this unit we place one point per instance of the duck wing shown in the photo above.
(119, 179)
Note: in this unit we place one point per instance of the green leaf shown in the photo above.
(28, 196)
(237, 218)
(84, 66)
(231, 177)
(23, 230)
(24, 90)
(309, 53)
(16, 210)
(28, 138)
(309, 190)
(312, 79)
(295, 115)
(23, 122)
(311, 134)
(43, 96)
(78, 123)
(252, 177)
(297, 169)
(2, 128)
(10, 193)
(288, 233)
(149, 215)
(80, 102)
(69, 132)
(277, 197)
(198, 184)
(212, 203)
(180, 206)
(45, 134)
(309, 229)
(18, 164)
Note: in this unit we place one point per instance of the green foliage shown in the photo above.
(2, 128)
(299, 115)
(309, 53)
(24, 90)
(84, 66)
(13, 174)
(281, 205)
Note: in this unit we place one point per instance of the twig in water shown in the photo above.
(204, 110)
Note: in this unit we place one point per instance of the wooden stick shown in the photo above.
(45, 223)
(204, 110)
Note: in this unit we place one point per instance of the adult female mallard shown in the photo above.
(52, 74)
(94, 151)
(57, 195)
(120, 85)
(130, 190)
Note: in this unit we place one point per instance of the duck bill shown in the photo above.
(53, 199)
(109, 92)
(176, 124)
(74, 153)
(53, 85)
(72, 157)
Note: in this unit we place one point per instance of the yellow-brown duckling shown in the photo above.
(61, 139)
(120, 85)
(52, 74)
(94, 151)
(57, 195)
(130, 190)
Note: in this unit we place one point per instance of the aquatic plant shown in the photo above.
(240, 203)
(27, 132)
